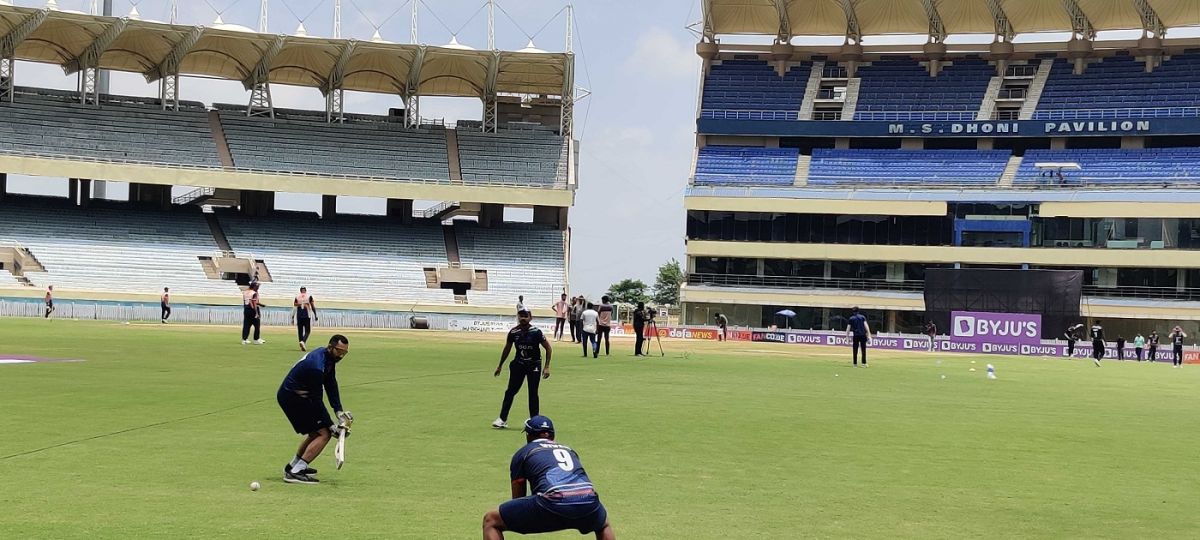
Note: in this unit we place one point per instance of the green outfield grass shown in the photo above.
(160, 430)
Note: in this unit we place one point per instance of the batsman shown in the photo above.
(300, 398)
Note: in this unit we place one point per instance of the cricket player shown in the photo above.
(1177, 336)
(1153, 349)
(165, 302)
(1097, 334)
(563, 497)
(860, 333)
(302, 307)
(300, 398)
(527, 366)
(251, 315)
(49, 300)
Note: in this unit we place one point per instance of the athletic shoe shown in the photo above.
(1097, 362)
(245, 342)
(865, 364)
(259, 342)
(302, 347)
(308, 470)
(499, 424)
(299, 478)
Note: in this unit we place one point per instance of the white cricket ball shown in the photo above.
(836, 375)
(943, 376)
(254, 486)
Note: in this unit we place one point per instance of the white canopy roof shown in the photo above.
(75, 40)
(856, 18)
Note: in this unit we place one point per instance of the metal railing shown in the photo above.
(194, 194)
(738, 114)
(856, 284)
(1117, 114)
(930, 116)
(276, 172)
(1021, 183)
(437, 209)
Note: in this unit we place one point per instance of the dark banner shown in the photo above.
(1052, 294)
(982, 128)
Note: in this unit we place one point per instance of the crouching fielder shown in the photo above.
(563, 497)
(300, 398)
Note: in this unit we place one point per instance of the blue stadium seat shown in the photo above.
(751, 90)
(746, 165)
(1119, 87)
(1114, 167)
(906, 167)
(901, 89)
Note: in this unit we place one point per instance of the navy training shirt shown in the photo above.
(312, 373)
(554, 473)
(858, 323)
(1177, 339)
(528, 343)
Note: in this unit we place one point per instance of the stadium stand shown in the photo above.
(113, 249)
(520, 259)
(535, 156)
(723, 165)
(906, 167)
(1119, 87)
(1112, 166)
(43, 121)
(299, 143)
(353, 258)
(752, 90)
(904, 90)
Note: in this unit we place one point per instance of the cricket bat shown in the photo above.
(339, 452)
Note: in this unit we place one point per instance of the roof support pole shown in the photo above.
(259, 82)
(412, 101)
(567, 114)
(90, 57)
(7, 78)
(490, 101)
(168, 92)
(8, 51)
(170, 64)
(853, 33)
(708, 35)
(1152, 25)
(332, 88)
(87, 86)
(784, 34)
(1004, 29)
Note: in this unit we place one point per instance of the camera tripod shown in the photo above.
(653, 327)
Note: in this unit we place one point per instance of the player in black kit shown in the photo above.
(1097, 334)
(525, 367)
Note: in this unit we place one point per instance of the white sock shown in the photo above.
(299, 466)
(294, 460)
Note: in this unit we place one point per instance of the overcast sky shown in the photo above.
(636, 128)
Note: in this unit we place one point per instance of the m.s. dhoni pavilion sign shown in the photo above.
(1016, 128)
(1074, 127)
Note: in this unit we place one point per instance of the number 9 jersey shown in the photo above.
(555, 475)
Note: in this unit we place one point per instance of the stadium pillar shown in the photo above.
(550, 215)
(3, 185)
(85, 192)
(257, 203)
(73, 190)
(889, 322)
(328, 206)
(491, 215)
(400, 210)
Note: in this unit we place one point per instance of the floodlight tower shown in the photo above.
(262, 16)
(337, 19)
(491, 5)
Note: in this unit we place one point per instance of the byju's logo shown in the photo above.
(996, 327)
(964, 326)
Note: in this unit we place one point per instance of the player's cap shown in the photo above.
(539, 424)
(524, 312)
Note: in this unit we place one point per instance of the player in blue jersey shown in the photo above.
(563, 497)
(857, 325)
(525, 367)
(300, 398)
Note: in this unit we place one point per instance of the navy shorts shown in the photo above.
(532, 515)
(307, 416)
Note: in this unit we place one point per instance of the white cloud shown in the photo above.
(659, 54)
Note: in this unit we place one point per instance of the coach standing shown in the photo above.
(639, 327)
(860, 332)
